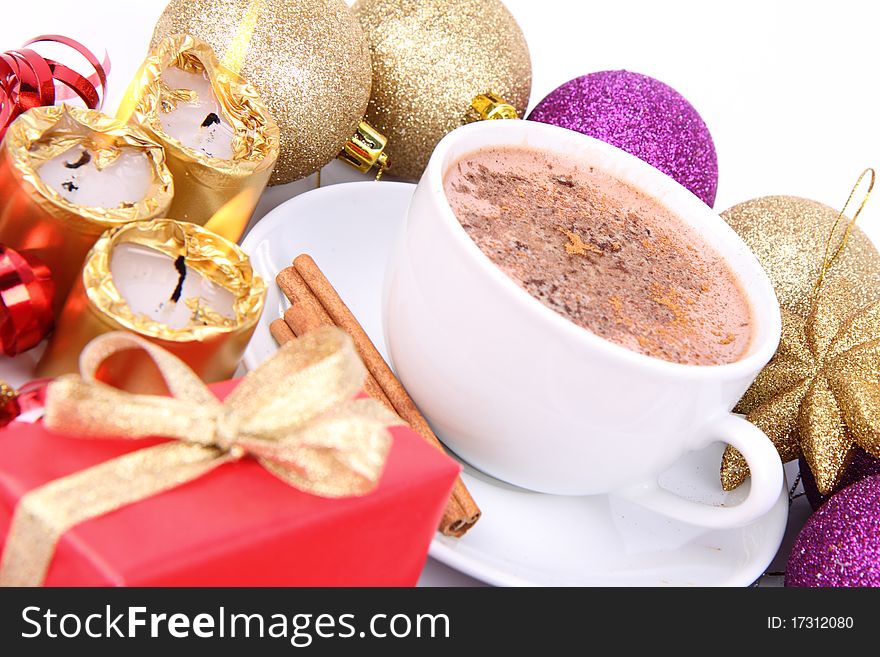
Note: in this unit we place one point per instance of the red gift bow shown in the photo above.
(28, 80)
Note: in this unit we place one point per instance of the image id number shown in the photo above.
(810, 623)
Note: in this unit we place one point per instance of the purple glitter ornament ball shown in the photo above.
(840, 544)
(642, 116)
(863, 465)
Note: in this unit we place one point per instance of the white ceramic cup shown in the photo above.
(527, 396)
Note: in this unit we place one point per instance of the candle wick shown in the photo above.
(84, 158)
(211, 119)
(180, 266)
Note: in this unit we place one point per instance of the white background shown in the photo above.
(788, 89)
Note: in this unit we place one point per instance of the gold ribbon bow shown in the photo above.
(294, 414)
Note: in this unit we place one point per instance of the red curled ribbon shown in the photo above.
(28, 80)
(26, 293)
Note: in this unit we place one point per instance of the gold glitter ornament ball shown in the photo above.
(430, 58)
(307, 58)
(788, 235)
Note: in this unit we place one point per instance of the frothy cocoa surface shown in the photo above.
(606, 256)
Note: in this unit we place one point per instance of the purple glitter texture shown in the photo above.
(863, 465)
(642, 116)
(840, 544)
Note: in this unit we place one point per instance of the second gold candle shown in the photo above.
(218, 135)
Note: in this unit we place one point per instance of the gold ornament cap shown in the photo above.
(7, 393)
(489, 106)
(366, 149)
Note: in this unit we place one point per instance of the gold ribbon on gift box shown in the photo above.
(295, 415)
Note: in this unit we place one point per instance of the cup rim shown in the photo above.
(759, 292)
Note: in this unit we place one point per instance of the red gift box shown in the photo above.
(238, 525)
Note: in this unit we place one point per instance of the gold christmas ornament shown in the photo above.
(438, 64)
(818, 395)
(788, 235)
(308, 59)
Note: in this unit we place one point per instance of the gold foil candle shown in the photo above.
(69, 174)
(218, 135)
(174, 283)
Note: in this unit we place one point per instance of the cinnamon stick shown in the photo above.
(306, 314)
(281, 331)
(302, 318)
(461, 511)
(310, 311)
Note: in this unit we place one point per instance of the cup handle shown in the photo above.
(766, 480)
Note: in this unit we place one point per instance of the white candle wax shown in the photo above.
(73, 174)
(147, 278)
(199, 125)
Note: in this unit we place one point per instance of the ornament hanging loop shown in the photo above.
(830, 257)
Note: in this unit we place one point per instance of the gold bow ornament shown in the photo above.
(295, 414)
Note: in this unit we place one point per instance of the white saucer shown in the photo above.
(523, 538)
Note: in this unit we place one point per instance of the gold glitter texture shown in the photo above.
(430, 59)
(788, 235)
(309, 432)
(801, 399)
(308, 59)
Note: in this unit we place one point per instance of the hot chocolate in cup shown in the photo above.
(524, 394)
